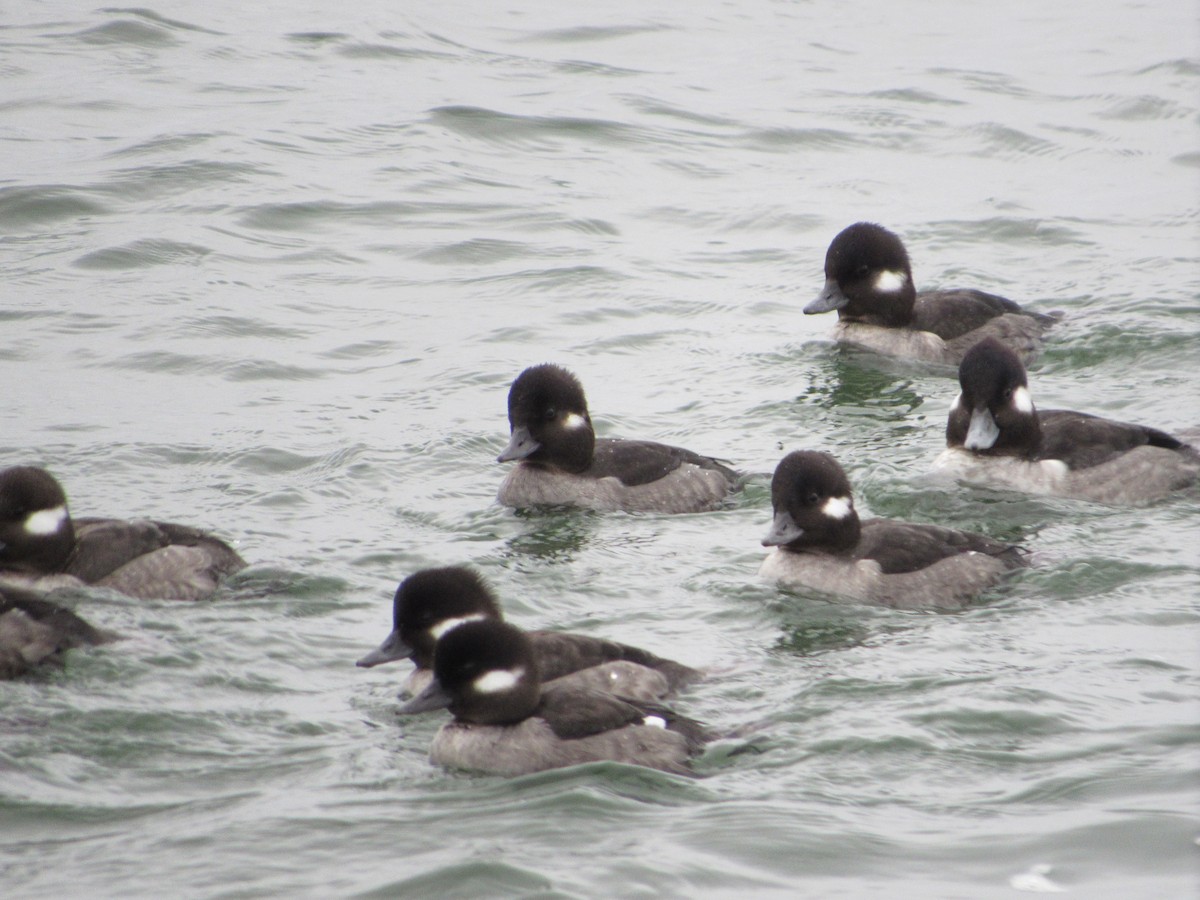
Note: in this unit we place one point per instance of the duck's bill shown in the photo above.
(982, 432)
(830, 298)
(520, 445)
(433, 697)
(390, 650)
(783, 531)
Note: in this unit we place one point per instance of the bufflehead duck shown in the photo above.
(506, 722)
(431, 602)
(996, 436)
(35, 631)
(868, 280)
(43, 547)
(560, 461)
(821, 544)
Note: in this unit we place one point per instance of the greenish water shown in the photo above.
(271, 271)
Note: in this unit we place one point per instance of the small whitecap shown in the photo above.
(655, 721)
(1036, 881)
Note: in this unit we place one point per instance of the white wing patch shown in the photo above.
(1056, 468)
(838, 507)
(46, 521)
(889, 281)
(498, 680)
(1021, 401)
(447, 625)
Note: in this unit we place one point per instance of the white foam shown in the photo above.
(447, 625)
(46, 521)
(1036, 881)
(838, 507)
(655, 721)
(1021, 400)
(889, 281)
(498, 680)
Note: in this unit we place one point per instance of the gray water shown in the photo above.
(270, 268)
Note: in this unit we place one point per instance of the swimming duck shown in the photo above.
(868, 280)
(560, 461)
(506, 722)
(820, 543)
(996, 436)
(42, 547)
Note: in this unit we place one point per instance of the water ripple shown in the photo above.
(142, 254)
(506, 128)
(135, 34)
(23, 207)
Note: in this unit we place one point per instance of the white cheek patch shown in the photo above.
(498, 680)
(838, 507)
(448, 625)
(655, 721)
(1021, 401)
(573, 421)
(46, 521)
(889, 281)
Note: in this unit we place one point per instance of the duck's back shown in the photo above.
(561, 653)
(901, 547)
(150, 560)
(952, 313)
(962, 318)
(900, 564)
(532, 746)
(630, 476)
(1082, 440)
(34, 631)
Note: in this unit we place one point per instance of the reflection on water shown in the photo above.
(551, 537)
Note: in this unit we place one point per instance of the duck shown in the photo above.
(819, 543)
(507, 722)
(996, 436)
(431, 602)
(561, 462)
(34, 632)
(44, 548)
(868, 280)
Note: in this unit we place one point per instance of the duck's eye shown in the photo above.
(550, 414)
(812, 498)
(466, 670)
(862, 270)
